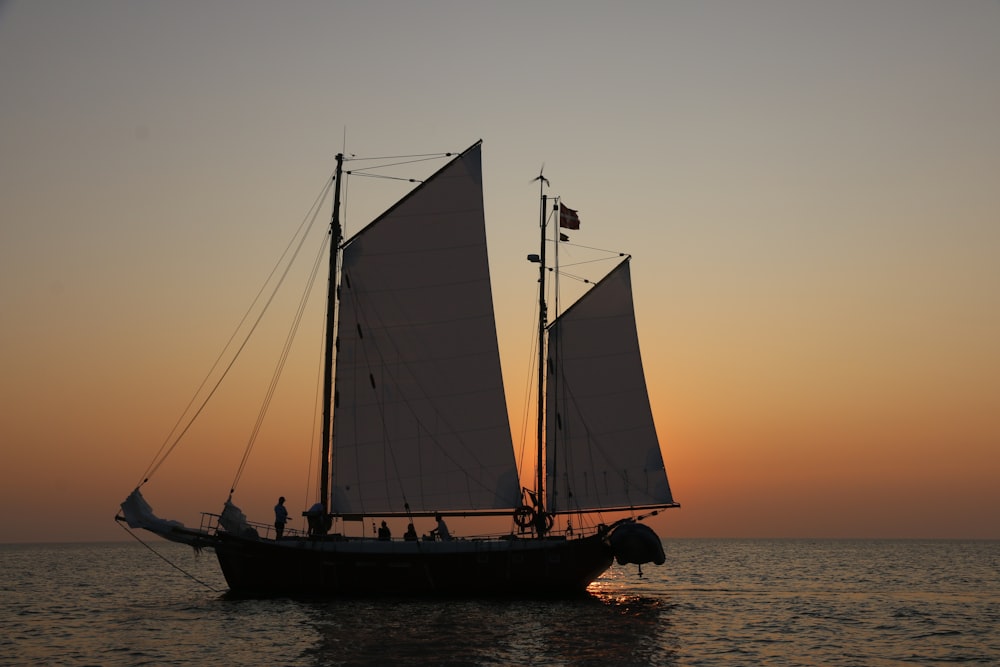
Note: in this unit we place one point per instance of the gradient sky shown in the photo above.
(809, 190)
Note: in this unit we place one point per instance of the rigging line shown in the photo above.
(579, 279)
(218, 360)
(616, 253)
(387, 444)
(317, 416)
(589, 261)
(394, 378)
(169, 562)
(392, 457)
(345, 207)
(158, 460)
(364, 171)
(380, 406)
(450, 430)
(236, 355)
(283, 358)
(595, 442)
(528, 394)
(385, 178)
(407, 159)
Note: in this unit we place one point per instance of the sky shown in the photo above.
(808, 190)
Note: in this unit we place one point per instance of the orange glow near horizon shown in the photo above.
(807, 191)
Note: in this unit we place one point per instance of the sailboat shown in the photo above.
(415, 424)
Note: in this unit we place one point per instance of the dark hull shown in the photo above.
(520, 567)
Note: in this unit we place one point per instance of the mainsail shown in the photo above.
(420, 417)
(601, 446)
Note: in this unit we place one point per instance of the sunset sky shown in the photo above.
(810, 192)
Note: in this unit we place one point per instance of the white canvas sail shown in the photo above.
(601, 446)
(420, 415)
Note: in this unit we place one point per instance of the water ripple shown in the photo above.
(717, 602)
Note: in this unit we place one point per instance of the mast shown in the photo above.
(336, 236)
(542, 317)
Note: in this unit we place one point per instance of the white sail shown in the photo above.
(601, 446)
(420, 416)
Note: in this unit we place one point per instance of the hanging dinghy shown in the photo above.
(636, 543)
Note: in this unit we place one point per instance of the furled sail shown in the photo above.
(601, 446)
(420, 416)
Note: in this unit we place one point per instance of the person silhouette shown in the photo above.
(280, 518)
(441, 532)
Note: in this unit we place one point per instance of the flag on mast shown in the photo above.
(568, 217)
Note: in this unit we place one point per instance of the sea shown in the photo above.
(715, 602)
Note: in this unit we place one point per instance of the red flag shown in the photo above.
(568, 217)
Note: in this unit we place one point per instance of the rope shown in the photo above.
(171, 442)
(304, 299)
(405, 160)
(314, 435)
(168, 561)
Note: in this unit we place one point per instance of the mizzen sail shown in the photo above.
(420, 417)
(601, 446)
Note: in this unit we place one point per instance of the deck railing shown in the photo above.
(210, 524)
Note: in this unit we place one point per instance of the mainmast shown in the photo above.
(542, 322)
(336, 236)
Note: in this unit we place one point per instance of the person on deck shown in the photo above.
(280, 517)
(411, 534)
(441, 532)
(384, 533)
(319, 523)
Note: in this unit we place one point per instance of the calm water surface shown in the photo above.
(715, 602)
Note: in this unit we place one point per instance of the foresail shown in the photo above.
(420, 417)
(601, 446)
